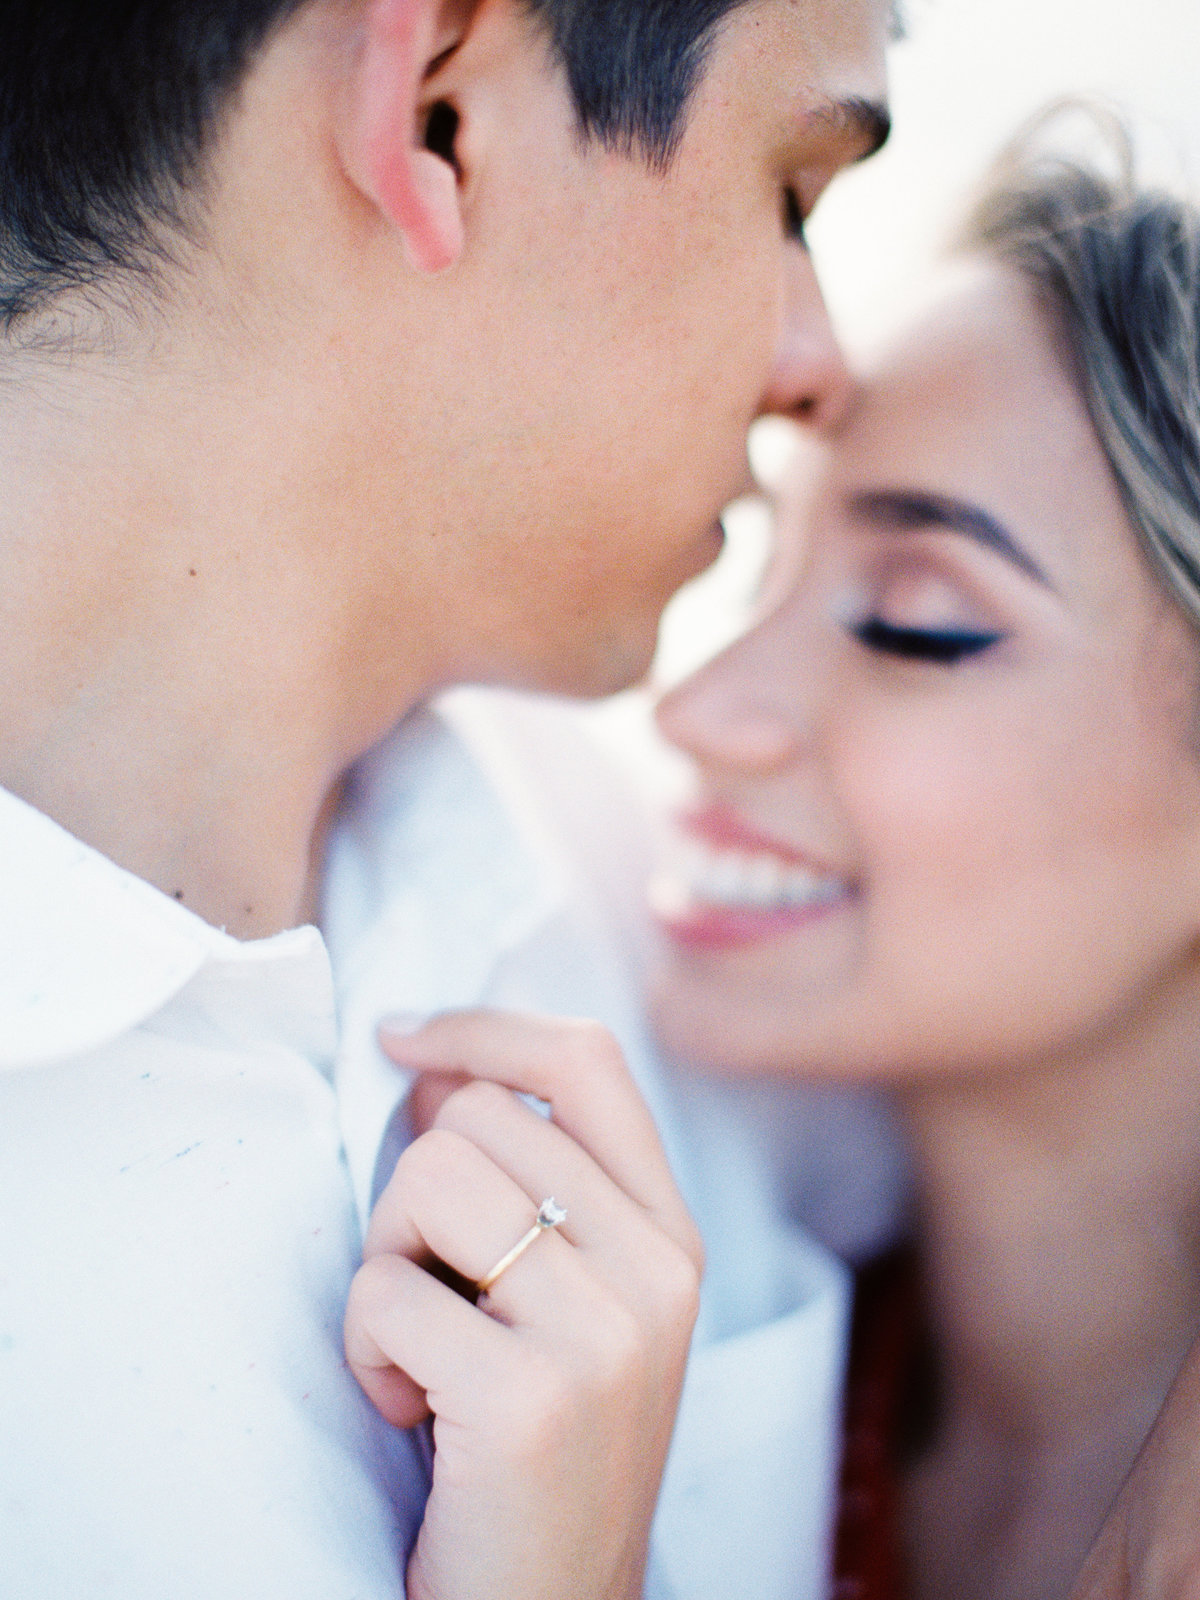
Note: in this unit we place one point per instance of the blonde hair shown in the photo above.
(1117, 268)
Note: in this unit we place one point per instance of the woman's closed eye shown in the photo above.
(918, 613)
(941, 646)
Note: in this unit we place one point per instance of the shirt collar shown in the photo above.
(436, 868)
(438, 853)
(88, 950)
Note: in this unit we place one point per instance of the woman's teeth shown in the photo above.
(737, 880)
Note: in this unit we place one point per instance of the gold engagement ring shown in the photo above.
(550, 1215)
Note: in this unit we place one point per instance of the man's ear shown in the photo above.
(397, 141)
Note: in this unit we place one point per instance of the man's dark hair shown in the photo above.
(105, 110)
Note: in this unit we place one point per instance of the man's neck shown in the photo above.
(182, 695)
(1059, 1217)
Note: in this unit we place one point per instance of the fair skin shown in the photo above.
(319, 437)
(950, 840)
(554, 1396)
(365, 440)
(1148, 1547)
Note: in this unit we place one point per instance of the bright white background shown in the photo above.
(967, 74)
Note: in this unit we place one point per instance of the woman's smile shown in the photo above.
(723, 883)
(951, 790)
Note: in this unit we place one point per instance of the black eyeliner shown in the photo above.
(940, 646)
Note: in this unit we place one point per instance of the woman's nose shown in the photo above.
(729, 715)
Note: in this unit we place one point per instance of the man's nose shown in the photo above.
(810, 382)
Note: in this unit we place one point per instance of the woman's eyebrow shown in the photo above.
(895, 510)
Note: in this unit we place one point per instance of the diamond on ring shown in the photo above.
(550, 1215)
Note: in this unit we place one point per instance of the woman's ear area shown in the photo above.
(397, 135)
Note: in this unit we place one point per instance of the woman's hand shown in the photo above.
(554, 1397)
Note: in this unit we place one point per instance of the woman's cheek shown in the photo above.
(916, 795)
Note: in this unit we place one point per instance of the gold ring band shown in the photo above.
(550, 1215)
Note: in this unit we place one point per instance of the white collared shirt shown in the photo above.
(484, 857)
(177, 1227)
(176, 1239)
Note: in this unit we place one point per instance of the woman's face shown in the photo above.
(950, 796)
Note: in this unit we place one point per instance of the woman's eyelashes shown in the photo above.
(943, 647)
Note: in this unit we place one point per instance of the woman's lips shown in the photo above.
(724, 884)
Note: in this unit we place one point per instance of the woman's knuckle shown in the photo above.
(592, 1042)
(476, 1102)
(371, 1289)
(429, 1161)
(596, 1052)
(678, 1279)
(691, 1242)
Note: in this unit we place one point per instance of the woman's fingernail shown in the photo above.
(399, 1025)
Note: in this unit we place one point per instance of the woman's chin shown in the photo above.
(715, 1031)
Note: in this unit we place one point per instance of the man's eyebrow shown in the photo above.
(897, 510)
(867, 123)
